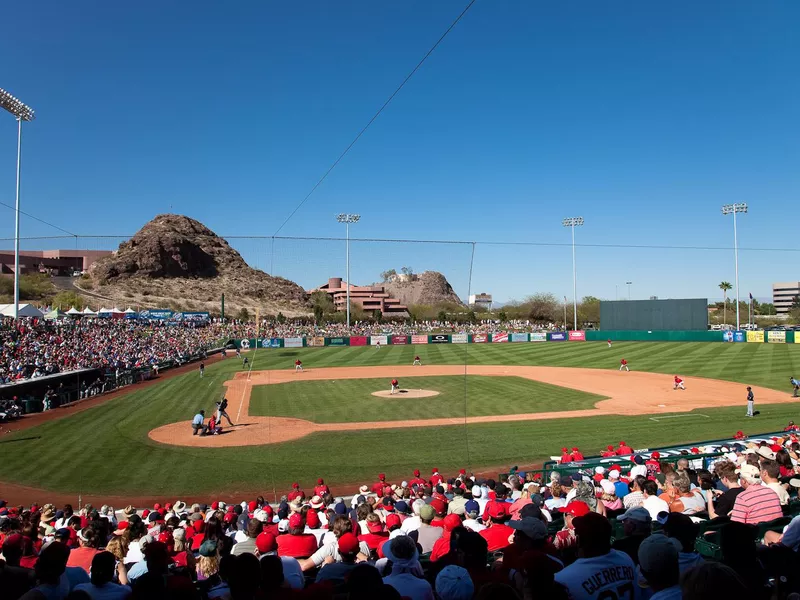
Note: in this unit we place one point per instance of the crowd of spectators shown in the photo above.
(32, 348)
(272, 328)
(613, 532)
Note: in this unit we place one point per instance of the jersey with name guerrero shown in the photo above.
(608, 577)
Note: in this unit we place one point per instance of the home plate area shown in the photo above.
(406, 394)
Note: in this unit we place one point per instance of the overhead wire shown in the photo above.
(30, 216)
(376, 115)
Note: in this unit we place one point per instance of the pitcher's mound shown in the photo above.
(403, 394)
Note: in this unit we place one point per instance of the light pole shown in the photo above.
(22, 112)
(572, 223)
(732, 209)
(347, 219)
(629, 284)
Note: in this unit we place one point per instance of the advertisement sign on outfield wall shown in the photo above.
(738, 336)
(315, 341)
(374, 340)
(269, 342)
(480, 338)
(519, 337)
(557, 336)
(459, 338)
(440, 338)
(499, 338)
(755, 336)
(358, 340)
(399, 340)
(419, 339)
(776, 337)
(337, 341)
(244, 344)
(539, 336)
(293, 342)
(577, 336)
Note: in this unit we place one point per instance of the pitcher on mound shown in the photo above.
(395, 386)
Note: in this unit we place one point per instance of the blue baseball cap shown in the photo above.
(472, 506)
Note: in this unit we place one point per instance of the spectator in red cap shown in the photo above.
(585, 577)
(295, 493)
(653, 465)
(566, 457)
(576, 454)
(497, 534)
(624, 449)
(296, 543)
(608, 452)
(565, 539)
(499, 500)
(337, 572)
(442, 545)
(376, 534)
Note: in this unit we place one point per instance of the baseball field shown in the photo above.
(480, 407)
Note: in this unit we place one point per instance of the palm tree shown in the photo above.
(725, 286)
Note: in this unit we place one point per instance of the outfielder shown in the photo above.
(796, 385)
(678, 384)
(609, 342)
(298, 366)
(222, 407)
(417, 362)
(395, 386)
(623, 364)
(750, 400)
(202, 369)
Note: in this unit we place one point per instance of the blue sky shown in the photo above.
(641, 117)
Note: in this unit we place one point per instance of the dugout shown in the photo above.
(648, 315)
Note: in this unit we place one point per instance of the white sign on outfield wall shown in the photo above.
(519, 337)
(539, 336)
(374, 340)
(293, 342)
(459, 338)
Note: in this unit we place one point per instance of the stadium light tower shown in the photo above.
(732, 209)
(572, 223)
(629, 284)
(347, 219)
(21, 112)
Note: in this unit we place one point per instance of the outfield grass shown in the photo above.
(106, 449)
(347, 400)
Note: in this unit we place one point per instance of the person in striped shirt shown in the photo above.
(757, 503)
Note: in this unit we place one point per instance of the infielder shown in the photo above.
(395, 386)
(417, 362)
(623, 364)
(222, 407)
(678, 384)
(750, 400)
(298, 366)
(796, 385)
(202, 370)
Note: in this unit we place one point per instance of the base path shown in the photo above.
(628, 393)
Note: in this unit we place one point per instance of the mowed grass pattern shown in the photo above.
(348, 400)
(106, 449)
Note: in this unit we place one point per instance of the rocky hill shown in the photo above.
(177, 262)
(430, 287)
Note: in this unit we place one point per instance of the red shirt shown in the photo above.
(678, 380)
(377, 488)
(565, 458)
(297, 546)
(440, 547)
(624, 451)
(436, 479)
(607, 453)
(394, 381)
(623, 362)
(374, 540)
(417, 481)
(321, 490)
(497, 536)
(576, 455)
(297, 362)
(82, 557)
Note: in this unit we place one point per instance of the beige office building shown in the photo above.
(783, 294)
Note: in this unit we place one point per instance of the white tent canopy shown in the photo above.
(104, 310)
(115, 310)
(130, 311)
(25, 310)
(74, 311)
(88, 311)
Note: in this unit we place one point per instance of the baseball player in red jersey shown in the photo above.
(417, 480)
(377, 488)
(298, 365)
(678, 384)
(623, 364)
(576, 454)
(436, 478)
(416, 362)
(609, 342)
(608, 452)
(395, 386)
(566, 457)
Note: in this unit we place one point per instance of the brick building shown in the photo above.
(60, 262)
(369, 297)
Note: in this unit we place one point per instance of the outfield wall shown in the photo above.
(769, 337)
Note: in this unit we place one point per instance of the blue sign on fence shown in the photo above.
(739, 336)
(557, 336)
